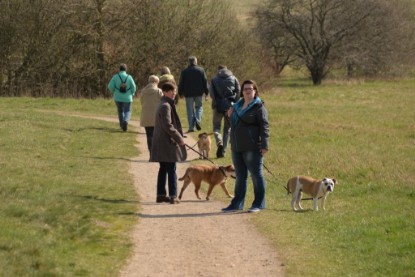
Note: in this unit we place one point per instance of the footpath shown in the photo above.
(193, 238)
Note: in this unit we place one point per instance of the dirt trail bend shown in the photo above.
(192, 238)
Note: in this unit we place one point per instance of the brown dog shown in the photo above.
(204, 144)
(212, 175)
(316, 188)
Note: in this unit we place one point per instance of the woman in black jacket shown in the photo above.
(249, 143)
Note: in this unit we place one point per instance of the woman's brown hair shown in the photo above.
(249, 82)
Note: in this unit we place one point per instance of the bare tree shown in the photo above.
(321, 34)
(383, 44)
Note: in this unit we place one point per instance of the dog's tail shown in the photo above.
(185, 175)
(287, 188)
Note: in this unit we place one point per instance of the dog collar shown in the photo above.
(223, 171)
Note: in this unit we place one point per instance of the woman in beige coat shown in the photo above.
(150, 100)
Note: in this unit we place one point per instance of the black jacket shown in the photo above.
(193, 82)
(249, 127)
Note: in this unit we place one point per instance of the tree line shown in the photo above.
(62, 48)
(362, 37)
(71, 48)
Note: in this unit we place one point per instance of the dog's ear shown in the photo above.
(334, 181)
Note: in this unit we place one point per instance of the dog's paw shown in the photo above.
(207, 198)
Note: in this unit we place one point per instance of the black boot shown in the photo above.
(220, 152)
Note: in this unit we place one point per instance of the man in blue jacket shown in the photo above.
(192, 85)
(123, 88)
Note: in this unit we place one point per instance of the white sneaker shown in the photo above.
(254, 210)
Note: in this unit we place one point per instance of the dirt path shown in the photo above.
(192, 238)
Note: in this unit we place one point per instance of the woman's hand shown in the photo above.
(229, 112)
(264, 151)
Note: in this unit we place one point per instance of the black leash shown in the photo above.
(272, 174)
(204, 157)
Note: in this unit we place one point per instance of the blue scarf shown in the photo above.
(237, 108)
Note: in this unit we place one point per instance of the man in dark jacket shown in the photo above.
(224, 91)
(192, 85)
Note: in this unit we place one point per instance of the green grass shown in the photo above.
(68, 203)
(364, 136)
(67, 198)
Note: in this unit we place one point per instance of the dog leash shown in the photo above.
(272, 174)
(220, 167)
(204, 157)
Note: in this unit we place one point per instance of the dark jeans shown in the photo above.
(149, 134)
(167, 171)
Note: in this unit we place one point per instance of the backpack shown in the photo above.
(123, 86)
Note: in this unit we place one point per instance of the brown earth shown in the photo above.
(193, 238)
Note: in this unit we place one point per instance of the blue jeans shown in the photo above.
(248, 161)
(217, 124)
(167, 172)
(124, 112)
(194, 111)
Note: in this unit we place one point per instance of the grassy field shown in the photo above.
(363, 134)
(68, 201)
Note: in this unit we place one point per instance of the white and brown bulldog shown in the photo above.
(316, 188)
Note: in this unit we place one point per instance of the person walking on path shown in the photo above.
(249, 144)
(166, 76)
(150, 100)
(192, 85)
(224, 91)
(123, 88)
(168, 146)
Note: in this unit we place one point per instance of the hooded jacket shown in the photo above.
(224, 85)
(249, 126)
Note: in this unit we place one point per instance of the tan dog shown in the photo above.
(204, 144)
(316, 188)
(213, 175)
